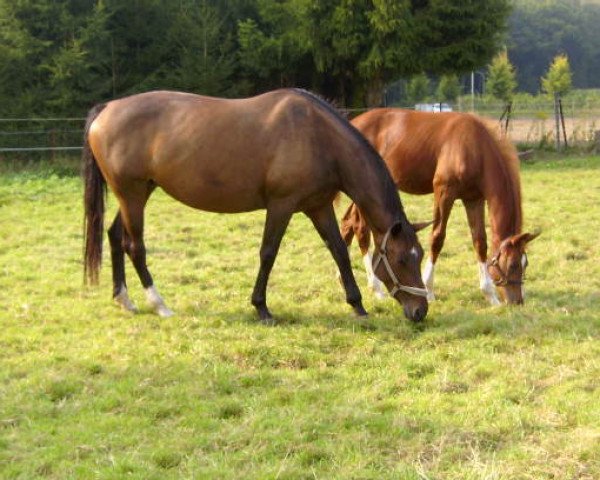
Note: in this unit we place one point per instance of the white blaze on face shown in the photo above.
(524, 263)
(414, 252)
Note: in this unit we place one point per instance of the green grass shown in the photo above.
(89, 391)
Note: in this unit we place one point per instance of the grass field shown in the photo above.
(88, 391)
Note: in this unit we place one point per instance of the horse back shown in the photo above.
(214, 154)
(424, 148)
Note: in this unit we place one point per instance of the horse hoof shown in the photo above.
(268, 322)
(130, 307)
(122, 299)
(360, 311)
(265, 316)
(164, 312)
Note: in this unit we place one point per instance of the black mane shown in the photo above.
(391, 193)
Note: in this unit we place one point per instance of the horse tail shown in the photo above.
(93, 200)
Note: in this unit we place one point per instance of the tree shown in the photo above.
(418, 88)
(558, 79)
(448, 89)
(538, 30)
(557, 83)
(272, 50)
(501, 83)
(362, 45)
(202, 52)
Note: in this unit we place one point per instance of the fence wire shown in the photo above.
(531, 123)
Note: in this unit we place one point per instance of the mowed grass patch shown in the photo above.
(90, 391)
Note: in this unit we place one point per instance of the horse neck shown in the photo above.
(503, 194)
(368, 183)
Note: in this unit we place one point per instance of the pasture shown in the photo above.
(475, 392)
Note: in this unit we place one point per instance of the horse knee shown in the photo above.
(267, 256)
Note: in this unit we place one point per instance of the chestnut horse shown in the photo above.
(454, 156)
(285, 151)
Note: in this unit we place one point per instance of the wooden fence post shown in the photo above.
(597, 141)
(556, 123)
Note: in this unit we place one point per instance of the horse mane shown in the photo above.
(506, 168)
(390, 192)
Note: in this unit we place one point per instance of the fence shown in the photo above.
(532, 123)
(42, 136)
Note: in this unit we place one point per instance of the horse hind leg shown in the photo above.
(132, 210)
(475, 216)
(118, 245)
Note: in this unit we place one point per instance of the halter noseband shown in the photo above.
(382, 257)
(504, 280)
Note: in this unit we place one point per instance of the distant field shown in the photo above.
(88, 391)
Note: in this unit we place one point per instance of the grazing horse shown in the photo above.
(285, 151)
(454, 156)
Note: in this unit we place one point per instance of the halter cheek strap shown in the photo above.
(503, 280)
(398, 287)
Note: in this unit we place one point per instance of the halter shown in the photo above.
(504, 280)
(382, 256)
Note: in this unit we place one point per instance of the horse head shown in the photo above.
(507, 266)
(397, 264)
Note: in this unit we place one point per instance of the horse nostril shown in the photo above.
(419, 313)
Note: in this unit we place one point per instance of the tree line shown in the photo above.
(538, 31)
(60, 56)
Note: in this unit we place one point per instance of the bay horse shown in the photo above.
(285, 151)
(454, 156)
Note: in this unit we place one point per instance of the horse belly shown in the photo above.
(214, 193)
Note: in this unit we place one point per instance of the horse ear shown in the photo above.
(525, 238)
(421, 225)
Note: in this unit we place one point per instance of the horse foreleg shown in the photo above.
(443, 201)
(324, 221)
(363, 236)
(476, 218)
(118, 241)
(278, 218)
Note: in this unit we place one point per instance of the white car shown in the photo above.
(433, 107)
